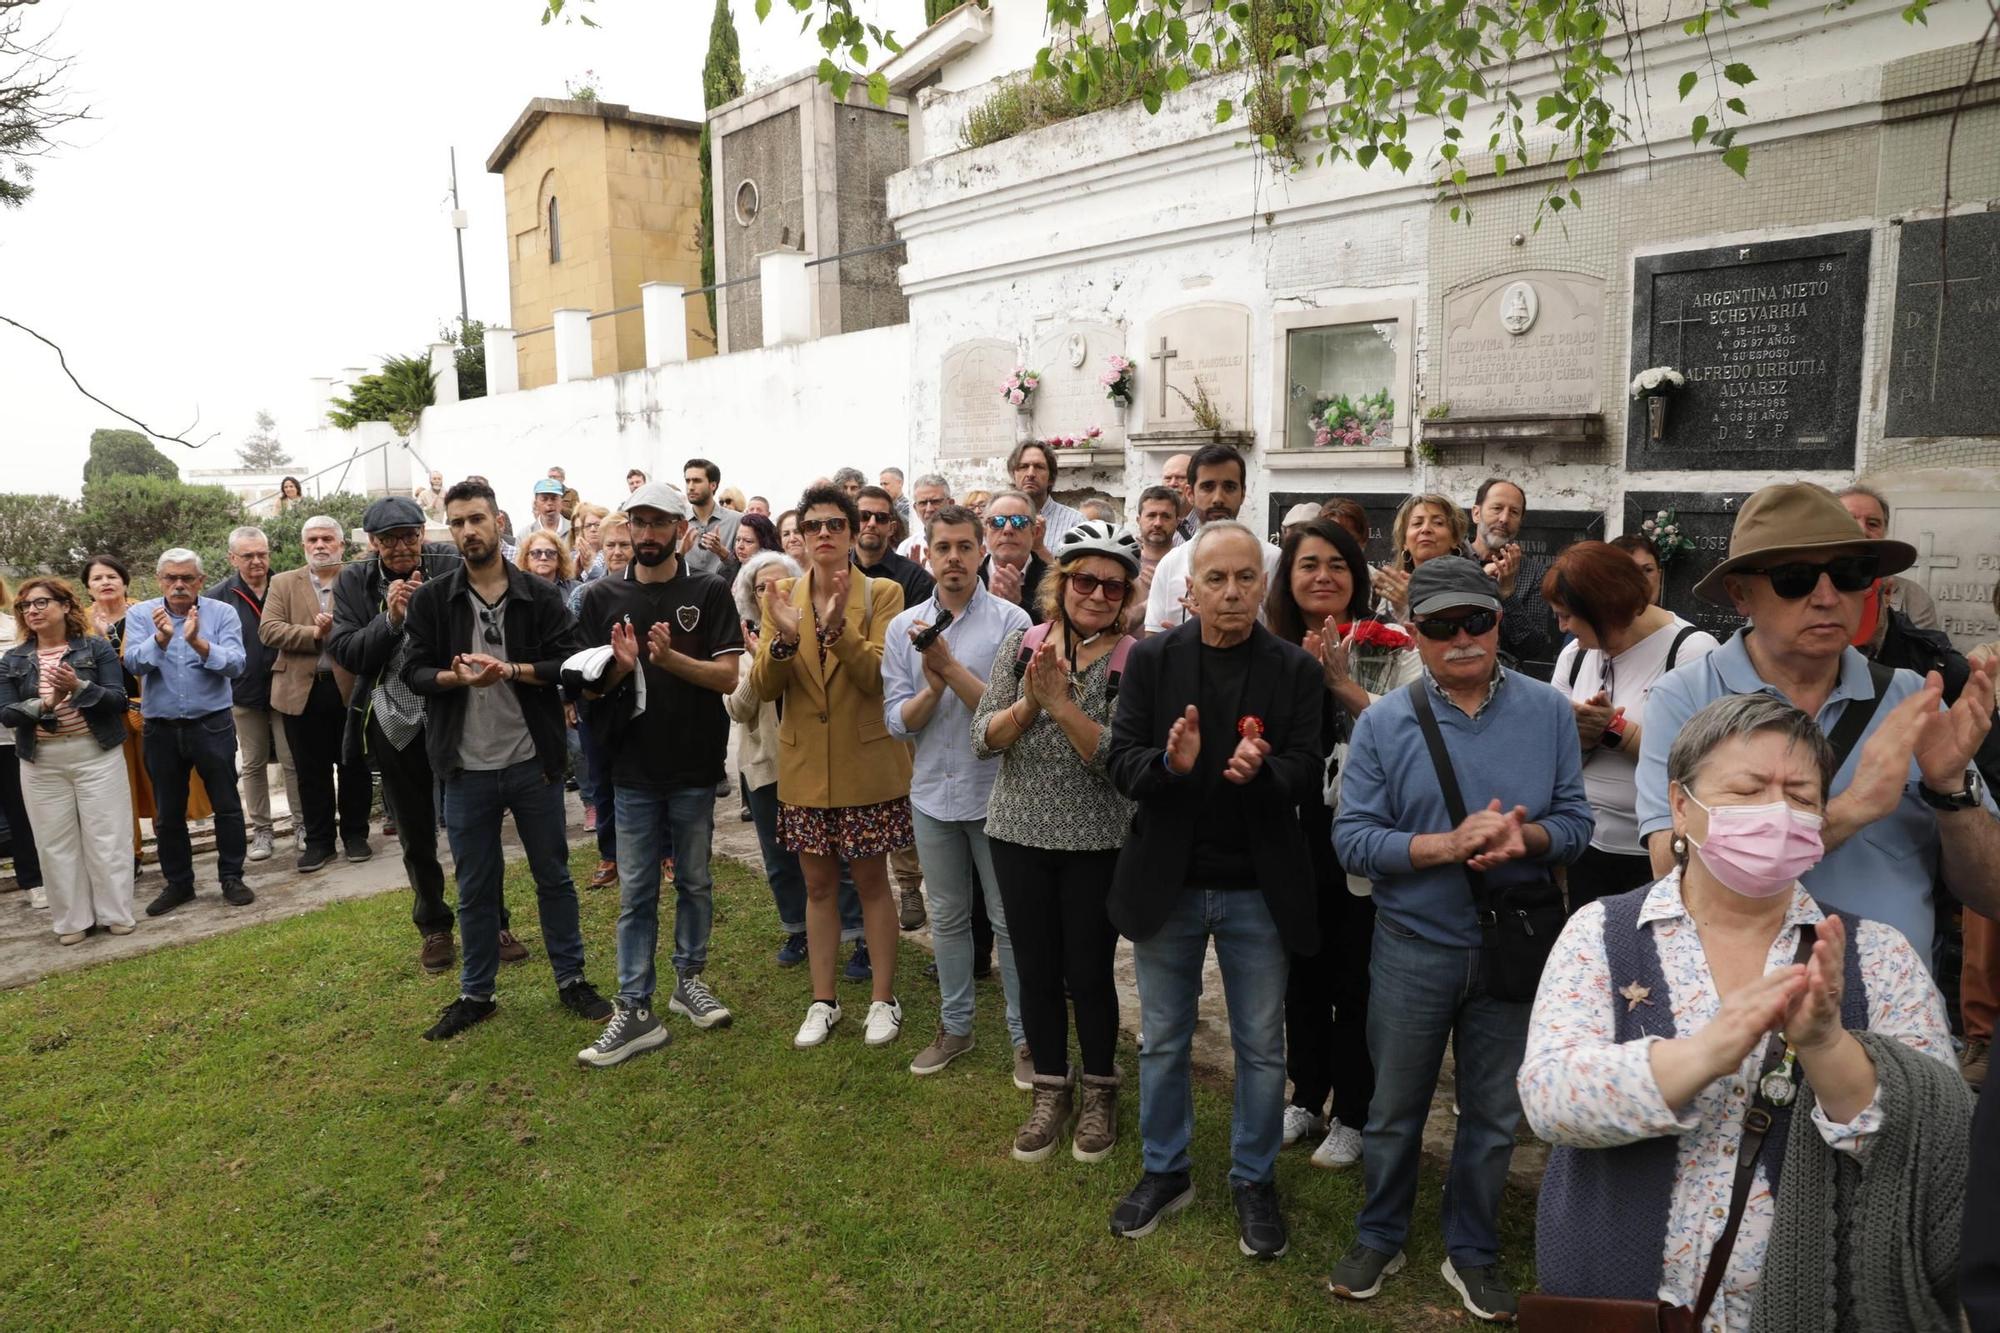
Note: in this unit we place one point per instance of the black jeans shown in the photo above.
(1062, 936)
(315, 737)
(204, 745)
(1326, 1009)
(27, 865)
(410, 795)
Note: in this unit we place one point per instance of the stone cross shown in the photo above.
(1165, 357)
(1937, 323)
(1928, 559)
(1679, 322)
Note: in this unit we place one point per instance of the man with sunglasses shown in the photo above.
(1511, 744)
(487, 641)
(875, 546)
(1013, 568)
(1907, 801)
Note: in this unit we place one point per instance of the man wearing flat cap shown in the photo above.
(1906, 799)
(1461, 795)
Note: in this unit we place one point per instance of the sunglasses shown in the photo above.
(812, 527)
(887, 520)
(491, 619)
(1001, 522)
(543, 553)
(1089, 585)
(1443, 631)
(1796, 578)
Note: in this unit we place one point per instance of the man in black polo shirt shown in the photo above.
(875, 545)
(668, 639)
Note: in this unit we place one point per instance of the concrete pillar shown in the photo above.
(445, 367)
(787, 300)
(319, 396)
(572, 335)
(503, 367)
(665, 311)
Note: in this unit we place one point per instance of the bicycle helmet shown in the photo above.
(1096, 537)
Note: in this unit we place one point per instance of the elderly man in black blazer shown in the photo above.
(1217, 735)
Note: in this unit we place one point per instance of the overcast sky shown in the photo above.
(262, 195)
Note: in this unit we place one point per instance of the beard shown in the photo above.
(650, 554)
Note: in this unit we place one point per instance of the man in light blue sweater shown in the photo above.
(1513, 750)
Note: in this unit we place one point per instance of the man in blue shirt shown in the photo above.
(1907, 801)
(928, 697)
(1513, 752)
(186, 650)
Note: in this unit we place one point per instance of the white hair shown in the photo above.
(245, 534)
(320, 521)
(746, 580)
(937, 479)
(1215, 528)
(176, 555)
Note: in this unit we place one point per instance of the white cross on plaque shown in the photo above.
(1928, 559)
(1165, 357)
(1679, 322)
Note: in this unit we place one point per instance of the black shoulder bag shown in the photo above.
(1518, 924)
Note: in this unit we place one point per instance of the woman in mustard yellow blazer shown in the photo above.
(843, 780)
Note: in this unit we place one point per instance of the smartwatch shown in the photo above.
(1613, 736)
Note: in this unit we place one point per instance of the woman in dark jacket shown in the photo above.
(62, 690)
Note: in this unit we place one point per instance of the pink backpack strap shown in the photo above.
(1121, 652)
(1030, 641)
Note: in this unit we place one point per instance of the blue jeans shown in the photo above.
(1422, 995)
(788, 882)
(474, 804)
(688, 817)
(1254, 962)
(953, 852)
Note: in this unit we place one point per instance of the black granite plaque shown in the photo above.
(1706, 519)
(1944, 374)
(1769, 337)
(1381, 509)
(1529, 633)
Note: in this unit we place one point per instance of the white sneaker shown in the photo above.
(885, 1023)
(1341, 1147)
(1299, 1124)
(820, 1018)
(260, 845)
(38, 899)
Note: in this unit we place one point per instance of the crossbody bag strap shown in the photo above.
(1454, 800)
(1854, 718)
(1756, 1125)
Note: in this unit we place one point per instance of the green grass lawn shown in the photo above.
(247, 1131)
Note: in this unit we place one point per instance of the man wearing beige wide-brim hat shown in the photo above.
(1905, 799)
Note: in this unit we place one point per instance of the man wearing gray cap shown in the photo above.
(654, 707)
(1460, 796)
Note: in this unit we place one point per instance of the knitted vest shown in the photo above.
(1601, 1220)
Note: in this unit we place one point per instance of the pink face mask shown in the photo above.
(1759, 850)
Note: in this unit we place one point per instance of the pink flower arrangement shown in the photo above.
(1020, 386)
(1117, 381)
(1087, 440)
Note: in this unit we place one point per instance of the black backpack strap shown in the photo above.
(1673, 649)
(1454, 800)
(1858, 713)
(1576, 664)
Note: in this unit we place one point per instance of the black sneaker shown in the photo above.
(581, 998)
(236, 893)
(1483, 1291)
(359, 850)
(459, 1015)
(633, 1030)
(1154, 1197)
(1260, 1226)
(170, 898)
(314, 859)
(858, 967)
(1358, 1276)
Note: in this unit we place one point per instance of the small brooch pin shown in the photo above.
(1635, 995)
(1250, 728)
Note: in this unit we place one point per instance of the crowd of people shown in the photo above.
(1656, 893)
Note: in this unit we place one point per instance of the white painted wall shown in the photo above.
(1020, 28)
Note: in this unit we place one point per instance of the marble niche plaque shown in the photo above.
(1071, 401)
(974, 421)
(1381, 507)
(1769, 337)
(1523, 344)
(1706, 519)
(1958, 558)
(1944, 371)
(1198, 347)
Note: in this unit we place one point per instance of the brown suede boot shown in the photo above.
(1043, 1131)
(1097, 1123)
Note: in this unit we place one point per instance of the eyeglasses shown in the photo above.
(1796, 578)
(833, 527)
(175, 580)
(401, 537)
(1090, 585)
(886, 519)
(38, 603)
(1443, 631)
(1001, 522)
(491, 620)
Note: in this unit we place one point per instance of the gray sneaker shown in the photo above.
(695, 1002)
(633, 1030)
(944, 1048)
(1483, 1291)
(1024, 1067)
(1358, 1276)
(260, 845)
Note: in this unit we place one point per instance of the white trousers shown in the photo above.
(80, 805)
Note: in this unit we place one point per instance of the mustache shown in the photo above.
(1469, 653)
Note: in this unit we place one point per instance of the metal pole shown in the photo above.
(458, 234)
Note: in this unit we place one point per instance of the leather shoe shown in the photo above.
(606, 875)
(437, 952)
(236, 893)
(170, 898)
(511, 949)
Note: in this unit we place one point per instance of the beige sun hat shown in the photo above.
(1792, 519)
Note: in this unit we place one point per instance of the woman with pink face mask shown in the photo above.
(1717, 1017)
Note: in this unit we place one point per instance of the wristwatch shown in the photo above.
(1613, 736)
(1965, 799)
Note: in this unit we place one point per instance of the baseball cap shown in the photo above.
(392, 512)
(548, 486)
(663, 496)
(1451, 581)
(1303, 512)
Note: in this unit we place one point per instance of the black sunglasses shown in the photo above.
(812, 527)
(1476, 624)
(1797, 578)
(887, 518)
(491, 619)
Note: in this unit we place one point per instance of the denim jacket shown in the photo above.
(99, 696)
